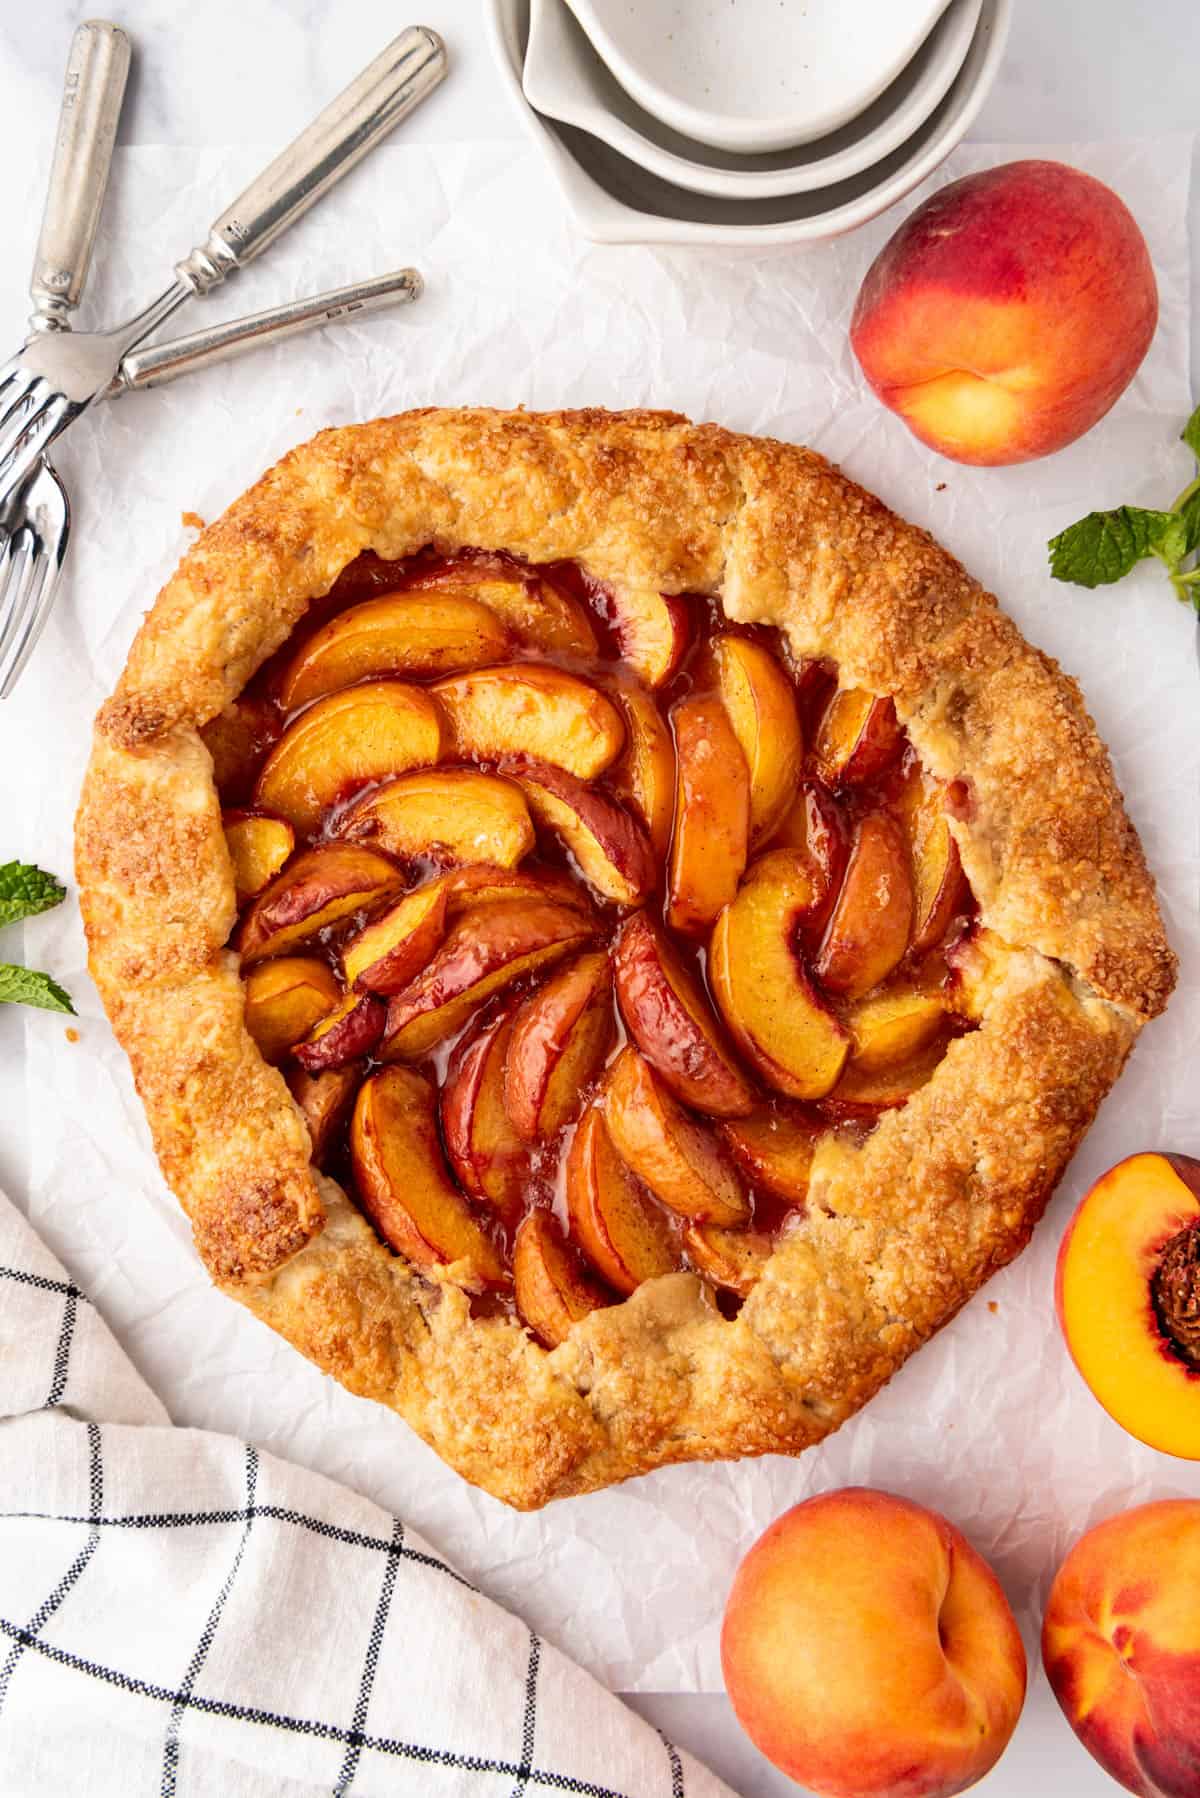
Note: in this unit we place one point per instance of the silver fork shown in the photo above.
(59, 374)
(36, 525)
(32, 553)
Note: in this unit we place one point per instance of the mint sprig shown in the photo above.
(24, 892)
(1104, 546)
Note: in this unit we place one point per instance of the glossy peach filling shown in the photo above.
(574, 919)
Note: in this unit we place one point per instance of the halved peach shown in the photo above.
(712, 814)
(939, 884)
(869, 928)
(389, 952)
(678, 1159)
(890, 1028)
(858, 738)
(324, 1100)
(644, 773)
(531, 709)
(673, 1024)
(611, 849)
(763, 992)
(653, 631)
(488, 949)
(447, 815)
(487, 1154)
(761, 703)
(560, 1038)
(535, 609)
(620, 1229)
(412, 634)
(552, 1289)
(733, 1259)
(1128, 1298)
(284, 999)
(314, 891)
(774, 1150)
(258, 847)
(364, 733)
(403, 1184)
(346, 1034)
(237, 740)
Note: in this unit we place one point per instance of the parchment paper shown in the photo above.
(989, 1423)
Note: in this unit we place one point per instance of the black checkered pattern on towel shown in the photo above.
(182, 1615)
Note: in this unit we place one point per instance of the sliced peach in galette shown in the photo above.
(311, 894)
(561, 1037)
(712, 815)
(446, 815)
(645, 930)
(486, 1151)
(360, 734)
(404, 1184)
(258, 846)
(553, 1288)
(285, 999)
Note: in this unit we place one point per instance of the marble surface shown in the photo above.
(252, 72)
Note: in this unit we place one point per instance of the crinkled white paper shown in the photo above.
(989, 1423)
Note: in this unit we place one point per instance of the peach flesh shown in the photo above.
(1008, 313)
(869, 1652)
(1121, 1646)
(1127, 1291)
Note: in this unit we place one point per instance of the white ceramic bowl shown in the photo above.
(761, 74)
(614, 201)
(564, 79)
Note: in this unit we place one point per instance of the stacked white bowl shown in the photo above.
(744, 121)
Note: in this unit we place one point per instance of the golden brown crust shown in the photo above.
(900, 1231)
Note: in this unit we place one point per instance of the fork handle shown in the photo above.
(411, 66)
(163, 362)
(93, 89)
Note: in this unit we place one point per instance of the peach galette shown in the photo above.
(617, 936)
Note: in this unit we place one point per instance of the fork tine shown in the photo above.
(43, 584)
(24, 442)
(16, 587)
(16, 398)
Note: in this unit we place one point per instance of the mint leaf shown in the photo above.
(1105, 545)
(25, 986)
(25, 891)
(1191, 433)
(1170, 543)
(1190, 514)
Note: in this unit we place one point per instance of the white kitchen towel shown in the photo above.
(182, 1614)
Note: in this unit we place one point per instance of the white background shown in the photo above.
(251, 73)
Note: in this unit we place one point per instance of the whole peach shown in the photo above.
(870, 1652)
(1008, 313)
(1121, 1646)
